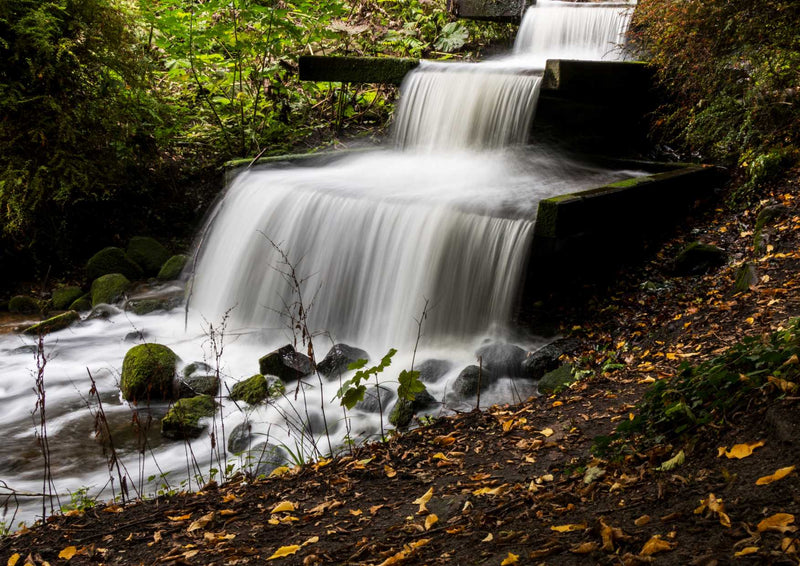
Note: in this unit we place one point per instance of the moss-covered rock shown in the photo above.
(148, 373)
(746, 276)
(404, 410)
(257, 389)
(183, 419)
(109, 288)
(199, 378)
(697, 258)
(63, 297)
(53, 324)
(148, 254)
(23, 304)
(172, 268)
(112, 260)
(83, 303)
(556, 380)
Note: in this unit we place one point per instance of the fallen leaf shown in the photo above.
(430, 520)
(405, 553)
(444, 440)
(312, 540)
(778, 522)
(642, 521)
(568, 528)
(747, 550)
(488, 538)
(177, 518)
(13, 559)
(790, 545)
(610, 535)
(510, 559)
(283, 506)
(740, 451)
(657, 544)
(279, 471)
(201, 522)
(228, 498)
(68, 552)
(672, 463)
(284, 551)
(356, 512)
(113, 509)
(375, 508)
(779, 474)
(546, 432)
(421, 501)
(585, 548)
(390, 473)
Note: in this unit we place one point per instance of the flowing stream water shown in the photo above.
(444, 218)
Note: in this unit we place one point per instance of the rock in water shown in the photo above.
(63, 297)
(172, 268)
(431, 371)
(112, 260)
(109, 288)
(183, 419)
(257, 389)
(467, 383)
(148, 373)
(338, 358)
(404, 410)
(148, 254)
(53, 324)
(285, 363)
(502, 360)
(23, 304)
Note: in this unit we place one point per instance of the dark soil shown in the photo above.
(519, 484)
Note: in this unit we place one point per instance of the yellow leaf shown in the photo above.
(312, 540)
(283, 506)
(557, 404)
(747, 550)
(673, 462)
(488, 538)
(779, 474)
(439, 456)
(273, 521)
(322, 463)
(721, 451)
(356, 512)
(179, 517)
(228, 498)
(740, 451)
(568, 528)
(510, 559)
(284, 551)
(375, 508)
(444, 440)
(390, 473)
(656, 544)
(430, 520)
(113, 509)
(201, 522)
(724, 520)
(227, 512)
(13, 559)
(421, 501)
(585, 548)
(68, 552)
(642, 521)
(279, 471)
(546, 432)
(782, 384)
(778, 522)
(790, 545)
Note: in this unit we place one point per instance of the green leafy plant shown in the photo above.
(352, 391)
(79, 500)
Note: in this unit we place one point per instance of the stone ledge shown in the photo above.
(506, 11)
(346, 69)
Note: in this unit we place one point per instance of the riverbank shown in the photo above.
(521, 484)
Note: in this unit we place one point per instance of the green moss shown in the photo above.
(257, 389)
(556, 380)
(53, 324)
(626, 183)
(112, 260)
(172, 268)
(63, 297)
(183, 419)
(23, 304)
(109, 288)
(83, 303)
(148, 373)
(745, 277)
(148, 253)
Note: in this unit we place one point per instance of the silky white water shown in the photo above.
(447, 219)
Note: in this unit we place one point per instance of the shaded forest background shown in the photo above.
(116, 115)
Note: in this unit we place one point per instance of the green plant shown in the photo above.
(79, 500)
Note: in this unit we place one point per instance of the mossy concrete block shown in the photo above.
(404, 410)
(597, 80)
(257, 389)
(172, 268)
(148, 254)
(697, 258)
(59, 322)
(386, 70)
(182, 421)
(83, 303)
(746, 277)
(109, 288)
(505, 11)
(285, 363)
(556, 380)
(23, 304)
(63, 297)
(148, 373)
(112, 260)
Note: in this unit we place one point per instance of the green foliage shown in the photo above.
(79, 500)
(733, 70)
(352, 391)
(410, 385)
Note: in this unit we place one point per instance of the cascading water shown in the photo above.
(446, 217)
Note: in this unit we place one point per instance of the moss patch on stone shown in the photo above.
(112, 260)
(63, 297)
(172, 268)
(557, 380)
(109, 288)
(257, 389)
(148, 373)
(83, 303)
(23, 304)
(148, 253)
(183, 419)
(53, 324)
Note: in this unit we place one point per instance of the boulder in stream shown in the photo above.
(148, 373)
(338, 358)
(404, 410)
(467, 383)
(112, 260)
(369, 404)
(172, 268)
(63, 297)
(502, 360)
(109, 288)
(199, 378)
(285, 363)
(183, 419)
(148, 254)
(431, 371)
(546, 359)
(257, 389)
(53, 324)
(82, 303)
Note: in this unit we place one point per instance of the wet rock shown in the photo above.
(135, 336)
(314, 424)
(698, 258)
(172, 268)
(546, 359)
(83, 303)
(148, 254)
(257, 389)
(431, 371)
(404, 410)
(370, 402)
(148, 373)
(27, 349)
(265, 457)
(467, 382)
(240, 438)
(23, 304)
(109, 288)
(199, 384)
(285, 363)
(182, 421)
(63, 297)
(112, 260)
(338, 358)
(556, 380)
(502, 360)
(53, 324)
(103, 311)
(146, 306)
